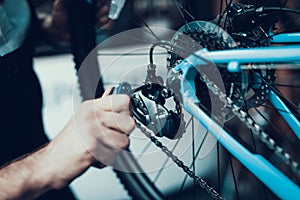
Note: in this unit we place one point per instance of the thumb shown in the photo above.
(107, 91)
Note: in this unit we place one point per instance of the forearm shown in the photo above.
(26, 178)
(52, 167)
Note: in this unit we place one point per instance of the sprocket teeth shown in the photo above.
(212, 39)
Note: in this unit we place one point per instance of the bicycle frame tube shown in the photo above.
(283, 187)
(286, 38)
(285, 113)
(280, 54)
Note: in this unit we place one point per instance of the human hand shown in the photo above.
(97, 133)
(113, 121)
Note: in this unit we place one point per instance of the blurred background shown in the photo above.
(57, 69)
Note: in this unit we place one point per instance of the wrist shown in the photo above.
(66, 159)
(40, 176)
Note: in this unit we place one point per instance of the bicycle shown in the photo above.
(243, 67)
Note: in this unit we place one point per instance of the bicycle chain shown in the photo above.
(199, 181)
(244, 117)
(255, 128)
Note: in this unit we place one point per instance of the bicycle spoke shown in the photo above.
(270, 107)
(180, 7)
(271, 124)
(129, 54)
(276, 84)
(285, 85)
(234, 178)
(196, 155)
(188, 123)
(181, 13)
(193, 154)
(141, 20)
(260, 113)
(165, 162)
(219, 167)
(278, 92)
(144, 150)
(255, 151)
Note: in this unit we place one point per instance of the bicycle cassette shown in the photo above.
(200, 34)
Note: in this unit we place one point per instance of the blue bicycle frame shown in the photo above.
(236, 61)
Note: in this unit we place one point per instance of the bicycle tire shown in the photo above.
(138, 185)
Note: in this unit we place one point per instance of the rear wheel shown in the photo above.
(148, 173)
